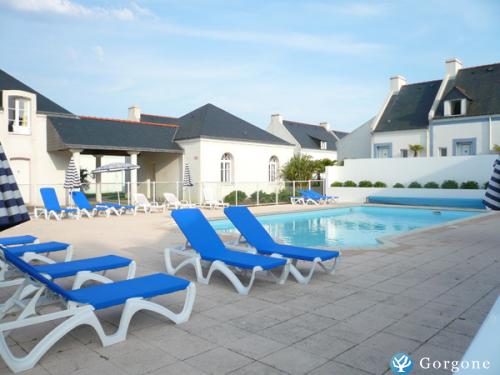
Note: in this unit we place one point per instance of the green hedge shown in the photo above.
(398, 185)
(336, 184)
(469, 185)
(365, 184)
(380, 184)
(449, 184)
(231, 197)
(349, 183)
(431, 185)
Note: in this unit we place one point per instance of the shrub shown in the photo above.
(365, 184)
(263, 197)
(485, 185)
(284, 195)
(231, 197)
(349, 183)
(336, 184)
(449, 184)
(469, 185)
(431, 185)
(379, 184)
(398, 185)
(415, 185)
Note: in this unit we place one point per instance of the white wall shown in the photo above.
(319, 154)
(358, 195)
(30, 151)
(445, 131)
(400, 140)
(405, 170)
(356, 144)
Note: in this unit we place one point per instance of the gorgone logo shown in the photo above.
(426, 363)
(401, 363)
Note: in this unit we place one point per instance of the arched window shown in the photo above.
(226, 168)
(273, 169)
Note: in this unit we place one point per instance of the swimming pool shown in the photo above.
(351, 227)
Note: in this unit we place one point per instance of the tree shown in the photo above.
(416, 149)
(299, 168)
(496, 148)
(320, 166)
(85, 179)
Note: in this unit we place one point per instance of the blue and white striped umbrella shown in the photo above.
(187, 176)
(492, 197)
(12, 208)
(72, 178)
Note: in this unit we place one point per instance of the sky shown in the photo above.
(310, 61)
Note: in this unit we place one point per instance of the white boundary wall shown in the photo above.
(405, 170)
(358, 195)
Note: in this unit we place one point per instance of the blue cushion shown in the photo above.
(257, 236)
(207, 243)
(45, 247)
(65, 269)
(107, 295)
(302, 253)
(246, 260)
(17, 240)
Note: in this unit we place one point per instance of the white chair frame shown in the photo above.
(76, 315)
(193, 258)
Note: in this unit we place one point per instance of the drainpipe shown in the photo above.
(490, 134)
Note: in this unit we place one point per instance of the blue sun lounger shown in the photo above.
(206, 246)
(18, 240)
(256, 236)
(31, 252)
(311, 196)
(86, 208)
(52, 206)
(122, 208)
(77, 308)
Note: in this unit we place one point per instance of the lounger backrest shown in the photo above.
(170, 198)
(209, 195)
(141, 199)
(314, 194)
(249, 227)
(33, 273)
(50, 200)
(198, 231)
(81, 200)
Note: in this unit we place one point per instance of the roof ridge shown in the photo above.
(421, 83)
(303, 123)
(162, 116)
(127, 121)
(480, 66)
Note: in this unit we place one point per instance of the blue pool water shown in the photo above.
(348, 227)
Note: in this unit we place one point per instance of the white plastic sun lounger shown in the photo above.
(78, 307)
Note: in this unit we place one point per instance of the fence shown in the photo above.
(235, 193)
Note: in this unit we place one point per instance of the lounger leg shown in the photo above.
(192, 259)
(231, 276)
(83, 276)
(78, 316)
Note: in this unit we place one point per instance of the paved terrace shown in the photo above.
(427, 297)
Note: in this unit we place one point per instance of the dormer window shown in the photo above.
(19, 120)
(455, 107)
(323, 145)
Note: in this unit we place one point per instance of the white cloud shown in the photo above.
(74, 9)
(99, 52)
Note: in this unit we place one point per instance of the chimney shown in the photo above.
(326, 125)
(277, 118)
(453, 66)
(134, 113)
(397, 82)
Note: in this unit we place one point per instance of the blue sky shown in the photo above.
(311, 61)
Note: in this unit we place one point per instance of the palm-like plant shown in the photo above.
(298, 168)
(416, 149)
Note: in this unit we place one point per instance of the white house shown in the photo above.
(456, 116)
(318, 141)
(40, 137)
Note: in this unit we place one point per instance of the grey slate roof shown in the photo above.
(409, 109)
(107, 134)
(159, 119)
(210, 121)
(480, 85)
(310, 136)
(44, 104)
(340, 134)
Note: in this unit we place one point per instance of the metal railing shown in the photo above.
(235, 193)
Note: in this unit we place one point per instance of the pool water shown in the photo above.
(348, 227)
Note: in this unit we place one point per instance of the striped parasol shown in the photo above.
(187, 177)
(12, 208)
(492, 197)
(72, 178)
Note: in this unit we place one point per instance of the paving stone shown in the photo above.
(293, 361)
(257, 368)
(218, 361)
(334, 368)
(286, 333)
(142, 360)
(255, 346)
(451, 340)
(411, 331)
(323, 345)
